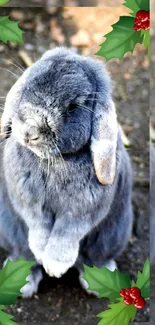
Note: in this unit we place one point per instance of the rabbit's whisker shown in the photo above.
(97, 92)
(48, 167)
(48, 171)
(61, 157)
(85, 108)
(17, 62)
(93, 99)
(2, 142)
(6, 133)
(15, 65)
(7, 70)
(54, 160)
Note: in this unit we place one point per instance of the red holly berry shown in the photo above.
(147, 25)
(128, 300)
(135, 293)
(140, 303)
(122, 292)
(127, 292)
(142, 20)
(142, 15)
(137, 28)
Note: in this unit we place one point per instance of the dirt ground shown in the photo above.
(63, 301)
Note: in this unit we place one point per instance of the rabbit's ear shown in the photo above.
(104, 141)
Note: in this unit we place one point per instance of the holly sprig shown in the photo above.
(123, 38)
(9, 30)
(118, 314)
(143, 280)
(12, 279)
(108, 284)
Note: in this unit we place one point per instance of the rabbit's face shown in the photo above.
(62, 103)
(52, 116)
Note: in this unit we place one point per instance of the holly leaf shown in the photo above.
(9, 31)
(6, 319)
(143, 280)
(122, 39)
(132, 4)
(143, 4)
(118, 314)
(12, 279)
(2, 2)
(136, 5)
(107, 283)
(147, 42)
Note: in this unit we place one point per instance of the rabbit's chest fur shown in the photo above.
(54, 187)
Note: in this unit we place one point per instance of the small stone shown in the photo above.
(29, 47)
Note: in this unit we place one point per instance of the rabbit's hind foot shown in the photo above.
(34, 280)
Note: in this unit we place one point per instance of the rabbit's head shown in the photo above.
(62, 103)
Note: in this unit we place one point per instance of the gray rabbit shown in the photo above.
(66, 180)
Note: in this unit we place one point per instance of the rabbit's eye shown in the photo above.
(72, 108)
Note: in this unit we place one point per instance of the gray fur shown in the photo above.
(69, 217)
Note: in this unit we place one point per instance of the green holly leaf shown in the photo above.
(147, 42)
(107, 283)
(118, 314)
(132, 4)
(136, 5)
(121, 40)
(12, 279)
(6, 319)
(9, 31)
(2, 2)
(143, 4)
(143, 280)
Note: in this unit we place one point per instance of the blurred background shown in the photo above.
(62, 301)
(61, 3)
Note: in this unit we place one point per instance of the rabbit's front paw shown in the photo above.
(57, 260)
(37, 244)
(55, 268)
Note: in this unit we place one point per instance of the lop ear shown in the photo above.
(104, 141)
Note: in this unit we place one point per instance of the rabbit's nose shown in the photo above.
(28, 139)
